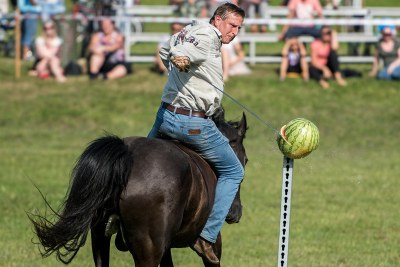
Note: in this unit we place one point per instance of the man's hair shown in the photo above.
(225, 9)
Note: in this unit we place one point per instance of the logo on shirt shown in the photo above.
(182, 37)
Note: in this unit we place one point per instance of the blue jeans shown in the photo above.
(212, 145)
(295, 31)
(384, 75)
(29, 28)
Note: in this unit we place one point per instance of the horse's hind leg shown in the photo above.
(144, 256)
(217, 247)
(146, 251)
(100, 246)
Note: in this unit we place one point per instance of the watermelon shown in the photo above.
(298, 138)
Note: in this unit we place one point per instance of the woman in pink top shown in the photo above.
(107, 53)
(304, 10)
(324, 59)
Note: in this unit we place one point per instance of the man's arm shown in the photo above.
(164, 52)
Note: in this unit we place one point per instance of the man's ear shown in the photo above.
(217, 21)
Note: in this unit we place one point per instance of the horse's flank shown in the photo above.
(174, 183)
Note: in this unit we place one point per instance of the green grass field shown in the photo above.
(345, 194)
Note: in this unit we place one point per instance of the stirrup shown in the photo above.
(112, 225)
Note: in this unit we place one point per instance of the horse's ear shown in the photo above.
(219, 115)
(242, 128)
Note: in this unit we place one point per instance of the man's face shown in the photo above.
(229, 27)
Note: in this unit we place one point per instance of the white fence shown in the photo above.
(344, 17)
(132, 21)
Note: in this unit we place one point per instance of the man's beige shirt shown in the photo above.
(195, 90)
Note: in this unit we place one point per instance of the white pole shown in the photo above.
(287, 175)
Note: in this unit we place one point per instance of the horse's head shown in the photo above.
(235, 132)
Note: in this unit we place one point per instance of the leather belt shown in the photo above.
(183, 111)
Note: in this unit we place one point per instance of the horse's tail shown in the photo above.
(98, 178)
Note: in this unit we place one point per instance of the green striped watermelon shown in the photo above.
(298, 138)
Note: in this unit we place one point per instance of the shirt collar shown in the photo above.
(203, 22)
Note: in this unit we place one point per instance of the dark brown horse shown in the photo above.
(162, 192)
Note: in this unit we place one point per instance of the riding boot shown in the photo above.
(204, 249)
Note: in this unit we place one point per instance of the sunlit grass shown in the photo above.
(344, 194)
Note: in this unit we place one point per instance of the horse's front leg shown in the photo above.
(166, 260)
(100, 246)
(217, 247)
(235, 212)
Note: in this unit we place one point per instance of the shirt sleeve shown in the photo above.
(195, 45)
(164, 52)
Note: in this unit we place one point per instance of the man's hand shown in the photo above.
(182, 63)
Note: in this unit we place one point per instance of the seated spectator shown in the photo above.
(214, 4)
(302, 9)
(107, 56)
(324, 59)
(193, 9)
(387, 49)
(47, 49)
(294, 61)
(233, 59)
(159, 66)
(256, 9)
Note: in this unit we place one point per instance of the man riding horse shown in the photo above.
(129, 177)
(189, 100)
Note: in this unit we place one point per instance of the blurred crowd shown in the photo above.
(320, 62)
(102, 54)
